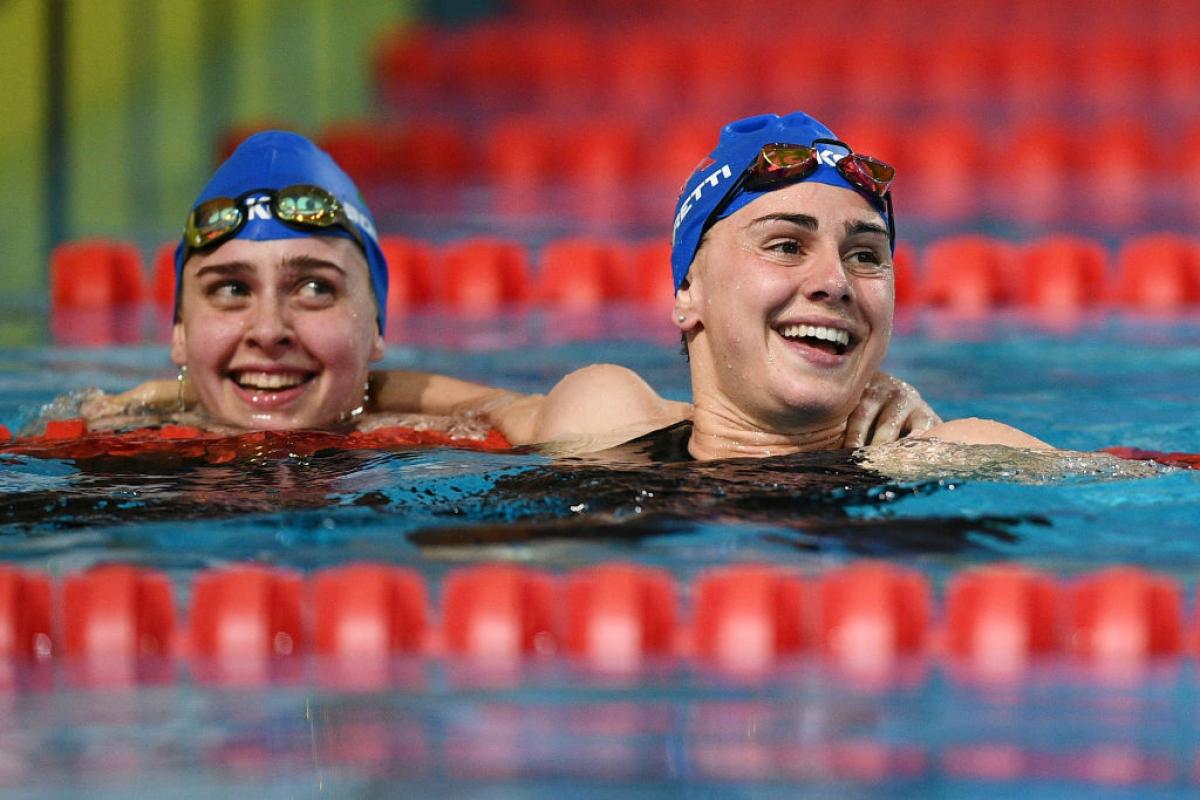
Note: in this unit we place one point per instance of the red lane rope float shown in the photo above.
(1183, 460)
(250, 625)
(71, 439)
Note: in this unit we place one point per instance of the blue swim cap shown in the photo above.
(736, 150)
(276, 160)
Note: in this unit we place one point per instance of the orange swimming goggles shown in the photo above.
(779, 164)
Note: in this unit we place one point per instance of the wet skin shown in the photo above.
(278, 334)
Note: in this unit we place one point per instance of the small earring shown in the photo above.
(681, 317)
(354, 413)
(180, 405)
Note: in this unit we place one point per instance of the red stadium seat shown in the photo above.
(904, 272)
(644, 69)
(721, 70)
(808, 76)
(95, 274)
(561, 64)
(650, 278)
(406, 66)
(957, 72)
(1113, 71)
(598, 155)
(1158, 272)
(1062, 273)
(163, 286)
(943, 176)
(435, 151)
(410, 273)
(1033, 171)
(969, 274)
(523, 152)
(484, 275)
(1121, 166)
(582, 273)
(369, 152)
(1034, 73)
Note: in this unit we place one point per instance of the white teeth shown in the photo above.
(268, 380)
(816, 332)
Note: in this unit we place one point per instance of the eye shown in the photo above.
(316, 287)
(228, 290)
(316, 292)
(787, 247)
(867, 260)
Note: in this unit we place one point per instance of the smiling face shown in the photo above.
(278, 335)
(788, 308)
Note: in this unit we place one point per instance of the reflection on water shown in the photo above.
(445, 498)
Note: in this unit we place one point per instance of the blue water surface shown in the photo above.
(1096, 383)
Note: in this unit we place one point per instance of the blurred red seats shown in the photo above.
(484, 275)
(1158, 272)
(1062, 273)
(969, 274)
(95, 274)
(583, 273)
(944, 174)
(369, 152)
(1033, 170)
(410, 273)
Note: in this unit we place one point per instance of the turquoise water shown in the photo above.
(1107, 381)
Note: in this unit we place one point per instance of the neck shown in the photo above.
(722, 432)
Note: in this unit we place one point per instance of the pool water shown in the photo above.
(1095, 382)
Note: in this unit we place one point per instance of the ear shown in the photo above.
(377, 346)
(179, 344)
(685, 312)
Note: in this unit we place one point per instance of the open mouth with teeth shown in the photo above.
(828, 340)
(269, 382)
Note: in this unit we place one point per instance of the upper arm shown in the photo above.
(603, 400)
(982, 431)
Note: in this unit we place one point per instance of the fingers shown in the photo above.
(858, 425)
(904, 412)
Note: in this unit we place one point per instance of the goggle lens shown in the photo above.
(212, 220)
(786, 156)
(307, 205)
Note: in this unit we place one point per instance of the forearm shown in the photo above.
(402, 391)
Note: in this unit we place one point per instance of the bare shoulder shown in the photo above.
(604, 399)
(982, 431)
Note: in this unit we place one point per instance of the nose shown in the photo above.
(269, 327)
(826, 280)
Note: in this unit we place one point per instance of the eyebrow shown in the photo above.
(296, 263)
(855, 227)
(800, 220)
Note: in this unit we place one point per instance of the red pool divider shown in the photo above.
(619, 614)
(116, 624)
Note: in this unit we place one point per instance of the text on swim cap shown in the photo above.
(694, 197)
(258, 207)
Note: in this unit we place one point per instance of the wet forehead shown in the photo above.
(832, 208)
(266, 255)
